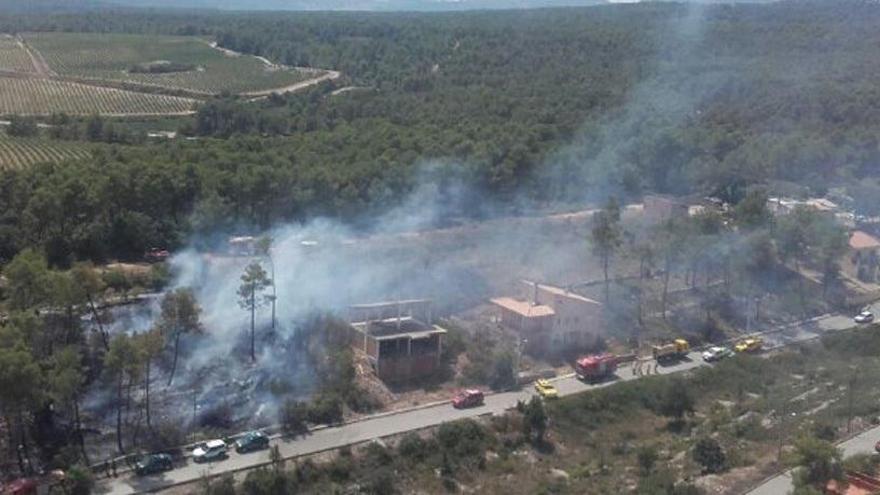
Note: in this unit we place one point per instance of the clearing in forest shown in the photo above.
(175, 63)
(16, 153)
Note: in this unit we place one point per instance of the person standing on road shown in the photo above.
(113, 466)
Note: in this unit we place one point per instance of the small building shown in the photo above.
(863, 256)
(242, 246)
(398, 338)
(785, 206)
(659, 208)
(552, 319)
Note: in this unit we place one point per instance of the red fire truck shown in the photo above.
(596, 367)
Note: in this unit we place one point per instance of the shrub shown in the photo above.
(647, 457)
(824, 431)
(709, 454)
(380, 482)
(503, 372)
(293, 417)
(413, 448)
(325, 409)
(376, 455)
(81, 481)
(676, 401)
(463, 441)
(266, 482)
(862, 463)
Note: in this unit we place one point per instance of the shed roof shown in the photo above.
(523, 308)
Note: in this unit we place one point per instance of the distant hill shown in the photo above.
(13, 6)
(366, 5)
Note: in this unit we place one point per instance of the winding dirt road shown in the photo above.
(325, 74)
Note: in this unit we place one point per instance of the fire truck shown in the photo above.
(596, 367)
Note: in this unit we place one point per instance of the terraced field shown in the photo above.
(21, 152)
(13, 57)
(39, 96)
(198, 68)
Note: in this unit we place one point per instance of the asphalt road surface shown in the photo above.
(862, 443)
(390, 424)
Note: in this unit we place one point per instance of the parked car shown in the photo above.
(253, 440)
(468, 398)
(546, 389)
(152, 464)
(716, 353)
(213, 450)
(864, 317)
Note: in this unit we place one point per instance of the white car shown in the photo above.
(716, 354)
(864, 317)
(213, 450)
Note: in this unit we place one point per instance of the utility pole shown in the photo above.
(782, 414)
(849, 407)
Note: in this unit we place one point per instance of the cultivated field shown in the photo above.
(13, 56)
(38, 96)
(184, 63)
(21, 152)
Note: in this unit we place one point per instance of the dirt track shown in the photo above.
(40, 65)
(326, 75)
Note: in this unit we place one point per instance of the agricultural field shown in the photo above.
(38, 96)
(13, 56)
(16, 153)
(173, 62)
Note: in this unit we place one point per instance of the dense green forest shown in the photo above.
(526, 107)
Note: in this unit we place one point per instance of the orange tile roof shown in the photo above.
(523, 308)
(861, 240)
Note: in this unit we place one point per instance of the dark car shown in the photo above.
(152, 464)
(254, 440)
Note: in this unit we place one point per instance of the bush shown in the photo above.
(862, 463)
(380, 482)
(293, 417)
(80, 480)
(824, 431)
(341, 468)
(376, 455)
(463, 441)
(413, 448)
(709, 454)
(166, 435)
(325, 409)
(503, 372)
(266, 482)
(22, 127)
(647, 457)
(676, 400)
(223, 486)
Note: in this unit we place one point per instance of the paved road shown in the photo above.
(390, 424)
(859, 444)
(369, 429)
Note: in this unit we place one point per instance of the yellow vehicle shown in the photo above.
(677, 349)
(752, 344)
(546, 389)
